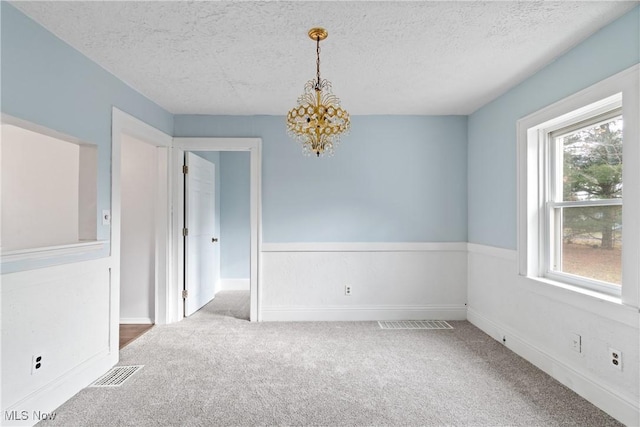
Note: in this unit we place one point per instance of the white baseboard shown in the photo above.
(234, 284)
(624, 409)
(45, 401)
(363, 313)
(136, 321)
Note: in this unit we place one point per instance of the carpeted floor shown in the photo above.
(218, 369)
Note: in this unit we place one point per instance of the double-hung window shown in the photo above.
(582, 242)
(579, 191)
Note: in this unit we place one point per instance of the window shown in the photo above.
(578, 198)
(583, 199)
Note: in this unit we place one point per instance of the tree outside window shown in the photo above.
(589, 209)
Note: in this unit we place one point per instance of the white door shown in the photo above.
(201, 261)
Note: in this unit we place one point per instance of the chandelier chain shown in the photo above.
(318, 63)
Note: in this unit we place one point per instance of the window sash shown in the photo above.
(554, 249)
(551, 251)
(584, 282)
(588, 122)
(585, 203)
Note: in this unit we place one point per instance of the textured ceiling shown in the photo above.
(382, 57)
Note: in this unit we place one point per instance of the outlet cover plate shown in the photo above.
(615, 356)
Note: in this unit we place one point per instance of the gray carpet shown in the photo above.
(216, 368)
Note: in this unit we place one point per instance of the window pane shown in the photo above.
(592, 161)
(592, 242)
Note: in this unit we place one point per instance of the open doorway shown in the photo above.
(140, 227)
(250, 146)
(138, 192)
(169, 216)
(218, 238)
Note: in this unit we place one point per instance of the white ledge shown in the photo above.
(365, 247)
(508, 254)
(48, 252)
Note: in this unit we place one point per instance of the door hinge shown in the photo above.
(185, 294)
(185, 232)
(185, 169)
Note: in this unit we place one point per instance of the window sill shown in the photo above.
(50, 252)
(598, 303)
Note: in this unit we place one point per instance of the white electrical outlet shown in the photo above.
(347, 290)
(36, 364)
(576, 343)
(615, 358)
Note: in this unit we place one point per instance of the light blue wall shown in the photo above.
(235, 210)
(47, 82)
(393, 179)
(492, 129)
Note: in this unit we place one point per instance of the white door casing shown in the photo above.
(123, 123)
(170, 215)
(201, 262)
(254, 146)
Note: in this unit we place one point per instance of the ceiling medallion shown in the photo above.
(318, 120)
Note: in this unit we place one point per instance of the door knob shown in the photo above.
(214, 239)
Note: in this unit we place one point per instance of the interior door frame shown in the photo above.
(254, 147)
(123, 123)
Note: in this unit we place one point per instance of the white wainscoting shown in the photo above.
(389, 281)
(62, 314)
(537, 322)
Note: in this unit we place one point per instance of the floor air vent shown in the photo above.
(116, 376)
(415, 324)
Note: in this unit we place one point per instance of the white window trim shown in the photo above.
(549, 195)
(531, 134)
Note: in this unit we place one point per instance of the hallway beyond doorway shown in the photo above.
(129, 333)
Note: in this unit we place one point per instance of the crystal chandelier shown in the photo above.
(318, 121)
